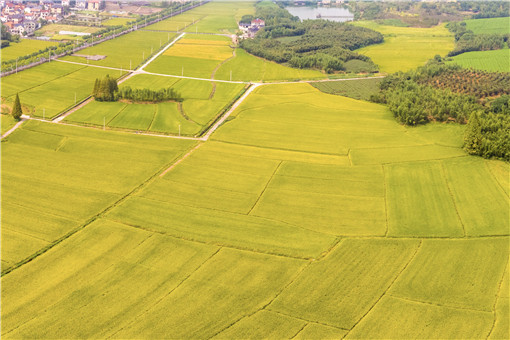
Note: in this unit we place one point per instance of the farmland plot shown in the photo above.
(203, 102)
(24, 47)
(193, 57)
(261, 70)
(405, 48)
(70, 85)
(40, 206)
(220, 17)
(299, 117)
(127, 51)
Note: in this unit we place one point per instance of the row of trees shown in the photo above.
(147, 95)
(414, 99)
(318, 44)
(107, 90)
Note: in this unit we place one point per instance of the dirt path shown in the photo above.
(17, 125)
(229, 112)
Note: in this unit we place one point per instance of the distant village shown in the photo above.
(24, 17)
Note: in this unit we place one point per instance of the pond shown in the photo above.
(328, 13)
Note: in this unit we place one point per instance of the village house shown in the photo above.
(250, 29)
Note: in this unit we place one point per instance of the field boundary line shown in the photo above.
(495, 178)
(299, 331)
(167, 294)
(413, 256)
(288, 150)
(305, 320)
(385, 201)
(496, 300)
(156, 111)
(443, 174)
(438, 304)
(349, 157)
(17, 125)
(180, 160)
(265, 187)
(62, 143)
(228, 246)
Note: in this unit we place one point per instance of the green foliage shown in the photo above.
(16, 109)
(487, 136)
(322, 45)
(105, 90)
(148, 95)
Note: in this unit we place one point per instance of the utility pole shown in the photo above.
(43, 113)
(230, 75)
(75, 98)
(179, 130)
(182, 74)
(16, 65)
(104, 123)
(130, 65)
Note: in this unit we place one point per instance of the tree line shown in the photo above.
(315, 44)
(414, 99)
(107, 90)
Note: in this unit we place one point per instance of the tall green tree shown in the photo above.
(16, 109)
(473, 136)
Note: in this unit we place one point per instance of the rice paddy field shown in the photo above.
(194, 56)
(49, 89)
(405, 48)
(127, 51)
(203, 102)
(305, 215)
(24, 47)
(400, 233)
(492, 61)
(220, 17)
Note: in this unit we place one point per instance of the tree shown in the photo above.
(16, 108)
(473, 135)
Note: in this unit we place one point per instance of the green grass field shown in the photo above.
(489, 26)
(405, 48)
(306, 215)
(129, 49)
(24, 47)
(492, 61)
(49, 89)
